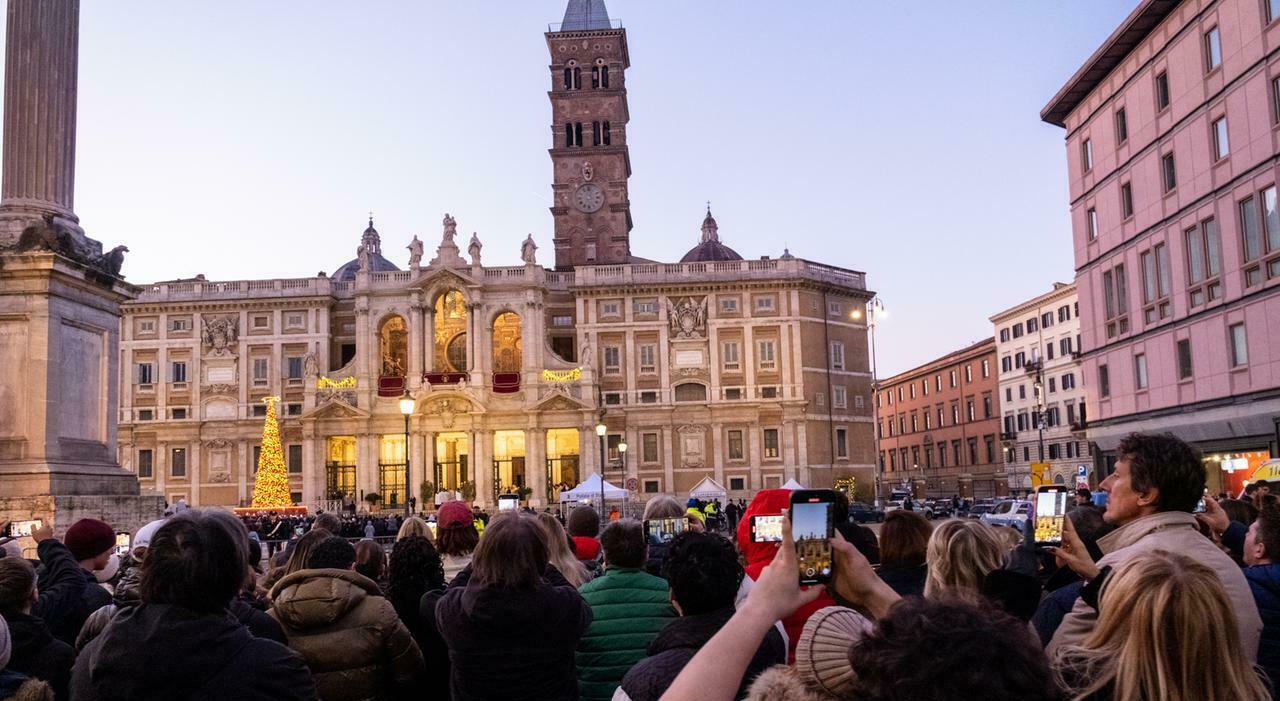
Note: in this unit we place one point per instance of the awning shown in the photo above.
(590, 489)
(708, 488)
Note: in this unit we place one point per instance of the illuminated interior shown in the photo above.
(393, 347)
(451, 333)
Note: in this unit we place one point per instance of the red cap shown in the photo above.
(453, 514)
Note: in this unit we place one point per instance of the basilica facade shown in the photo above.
(752, 372)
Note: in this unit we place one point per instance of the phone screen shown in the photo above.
(663, 530)
(432, 525)
(1200, 506)
(1051, 516)
(508, 503)
(23, 529)
(122, 544)
(811, 523)
(766, 529)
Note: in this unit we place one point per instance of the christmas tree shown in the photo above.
(271, 485)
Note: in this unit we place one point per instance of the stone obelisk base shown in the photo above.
(59, 386)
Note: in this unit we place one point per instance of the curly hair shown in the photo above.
(703, 572)
(1168, 464)
(415, 570)
(987, 654)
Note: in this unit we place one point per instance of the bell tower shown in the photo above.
(590, 204)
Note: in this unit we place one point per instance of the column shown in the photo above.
(784, 450)
(429, 339)
(41, 66)
(242, 472)
(589, 449)
(312, 470)
(535, 465)
(717, 452)
(802, 451)
(483, 441)
(195, 470)
(415, 346)
(668, 467)
(749, 361)
(366, 465)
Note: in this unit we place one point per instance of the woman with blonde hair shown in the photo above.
(960, 554)
(558, 552)
(1160, 636)
(414, 526)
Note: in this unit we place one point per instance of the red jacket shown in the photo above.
(757, 555)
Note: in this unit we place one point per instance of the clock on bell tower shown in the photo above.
(590, 204)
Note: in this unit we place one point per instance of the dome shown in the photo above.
(371, 241)
(709, 249)
(377, 264)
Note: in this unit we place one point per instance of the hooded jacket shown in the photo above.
(628, 607)
(758, 555)
(1176, 532)
(513, 644)
(163, 652)
(680, 641)
(126, 595)
(350, 635)
(1264, 581)
(37, 654)
(65, 614)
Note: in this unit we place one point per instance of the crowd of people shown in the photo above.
(1144, 599)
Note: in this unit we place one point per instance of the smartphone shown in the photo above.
(508, 502)
(122, 544)
(23, 529)
(812, 526)
(433, 526)
(1200, 507)
(1051, 514)
(766, 529)
(663, 530)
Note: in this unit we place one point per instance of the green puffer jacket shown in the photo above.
(629, 607)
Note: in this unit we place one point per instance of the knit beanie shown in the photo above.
(6, 644)
(89, 538)
(822, 653)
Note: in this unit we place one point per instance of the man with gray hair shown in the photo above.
(629, 606)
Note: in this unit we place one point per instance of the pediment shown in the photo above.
(442, 277)
(558, 401)
(336, 409)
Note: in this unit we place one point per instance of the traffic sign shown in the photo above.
(1082, 470)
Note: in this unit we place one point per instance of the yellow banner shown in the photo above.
(344, 383)
(562, 375)
(1040, 474)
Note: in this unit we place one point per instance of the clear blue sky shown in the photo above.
(248, 139)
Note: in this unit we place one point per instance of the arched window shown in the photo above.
(608, 139)
(595, 77)
(604, 76)
(595, 133)
(691, 392)
(568, 134)
(577, 133)
(568, 79)
(450, 333)
(572, 76)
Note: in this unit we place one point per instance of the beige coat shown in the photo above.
(1175, 532)
(352, 639)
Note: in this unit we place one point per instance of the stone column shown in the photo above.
(415, 346)
(429, 339)
(41, 64)
(535, 465)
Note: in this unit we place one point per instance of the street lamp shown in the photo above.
(600, 429)
(406, 409)
(875, 311)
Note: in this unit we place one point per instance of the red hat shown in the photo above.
(89, 538)
(453, 514)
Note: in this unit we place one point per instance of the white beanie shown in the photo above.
(5, 644)
(106, 573)
(12, 549)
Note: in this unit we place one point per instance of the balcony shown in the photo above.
(444, 378)
(1079, 426)
(1008, 436)
(390, 385)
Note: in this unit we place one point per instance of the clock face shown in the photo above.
(589, 197)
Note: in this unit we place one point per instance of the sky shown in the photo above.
(246, 139)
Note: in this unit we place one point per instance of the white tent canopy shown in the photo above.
(590, 489)
(708, 488)
(793, 485)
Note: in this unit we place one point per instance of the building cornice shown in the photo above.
(971, 352)
(1062, 290)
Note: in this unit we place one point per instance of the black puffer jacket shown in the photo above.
(163, 652)
(66, 615)
(680, 641)
(37, 654)
(126, 595)
(513, 644)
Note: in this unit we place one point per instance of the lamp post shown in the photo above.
(600, 429)
(406, 409)
(875, 312)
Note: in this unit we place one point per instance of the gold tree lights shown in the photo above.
(271, 484)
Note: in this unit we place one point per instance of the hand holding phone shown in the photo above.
(1050, 514)
(812, 517)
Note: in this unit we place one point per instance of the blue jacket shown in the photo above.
(1264, 581)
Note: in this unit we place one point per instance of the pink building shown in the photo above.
(1173, 139)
